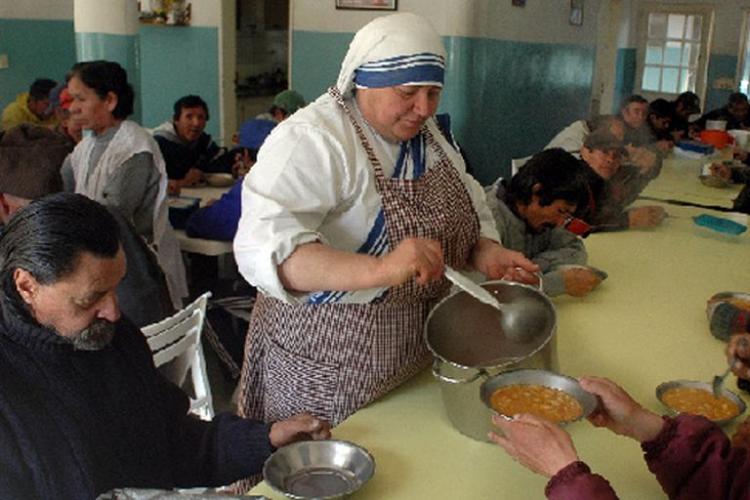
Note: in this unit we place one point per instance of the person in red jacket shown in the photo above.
(690, 455)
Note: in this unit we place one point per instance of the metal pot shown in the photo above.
(469, 346)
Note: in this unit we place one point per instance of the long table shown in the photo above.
(679, 181)
(644, 325)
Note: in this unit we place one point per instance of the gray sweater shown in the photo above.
(548, 249)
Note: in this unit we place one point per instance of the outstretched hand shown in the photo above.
(619, 412)
(300, 427)
(537, 444)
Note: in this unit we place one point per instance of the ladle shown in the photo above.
(519, 319)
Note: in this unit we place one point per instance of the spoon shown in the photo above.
(519, 319)
(719, 379)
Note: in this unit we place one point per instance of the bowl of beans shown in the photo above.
(545, 394)
(696, 398)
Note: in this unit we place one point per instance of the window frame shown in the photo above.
(745, 31)
(704, 52)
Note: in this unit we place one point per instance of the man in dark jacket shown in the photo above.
(82, 408)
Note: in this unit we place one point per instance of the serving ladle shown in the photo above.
(518, 319)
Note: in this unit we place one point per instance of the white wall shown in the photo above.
(544, 21)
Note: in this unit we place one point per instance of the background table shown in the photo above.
(644, 325)
(213, 248)
(679, 180)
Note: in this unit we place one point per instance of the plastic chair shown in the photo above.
(517, 163)
(178, 338)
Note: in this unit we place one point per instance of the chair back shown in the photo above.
(517, 163)
(178, 339)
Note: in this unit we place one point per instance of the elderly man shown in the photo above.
(30, 107)
(530, 211)
(188, 151)
(82, 407)
(614, 187)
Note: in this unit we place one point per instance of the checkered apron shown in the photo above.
(332, 359)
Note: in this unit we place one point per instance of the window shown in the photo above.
(672, 50)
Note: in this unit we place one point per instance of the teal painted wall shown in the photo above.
(35, 49)
(624, 76)
(719, 66)
(179, 61)
(122, 49)
(506, 99)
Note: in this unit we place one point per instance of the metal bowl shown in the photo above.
(553, 380)
(713, 181)
(602, 275)
(219, 180)
(694, 384)
(319, 469)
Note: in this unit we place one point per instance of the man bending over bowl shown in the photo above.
(82, 408)
(530, 211)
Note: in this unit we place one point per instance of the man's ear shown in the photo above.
(26, 285)
(536, 188)
(111, 100)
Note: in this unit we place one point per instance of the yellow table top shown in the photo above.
(679, 180)
(644, 325)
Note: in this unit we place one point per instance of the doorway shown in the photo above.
(262, 54)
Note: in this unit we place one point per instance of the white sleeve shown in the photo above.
(487, 226)
(299, 178)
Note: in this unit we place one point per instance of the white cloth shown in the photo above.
(131, 139)
(313, 182)
(389, 36)
(571, 137)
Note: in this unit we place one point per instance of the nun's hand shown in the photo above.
(418, 258)
(496, 262)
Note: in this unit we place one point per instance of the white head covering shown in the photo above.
(405, 43)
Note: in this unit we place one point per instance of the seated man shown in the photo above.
(83, 410)
(188, 151)
(219, 220)
(660, 123)
(285, 104)
(736, 113)
(571, 137)
(614, 187)
(530, 211)
(30, 159)
(30, 107)
(686, 111)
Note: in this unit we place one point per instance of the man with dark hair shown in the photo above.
(30, 107)
(530, 211)
(660, 123)
(188, 151)
(83, 410)
(686, 111)
(735, 113)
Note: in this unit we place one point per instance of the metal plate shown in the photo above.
(553, 380)
(319, 469)
(706, 386)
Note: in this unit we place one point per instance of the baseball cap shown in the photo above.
(603, 139)
(289, 100)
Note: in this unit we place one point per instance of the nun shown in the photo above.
(355, 207)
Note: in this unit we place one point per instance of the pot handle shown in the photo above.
(436, 363)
